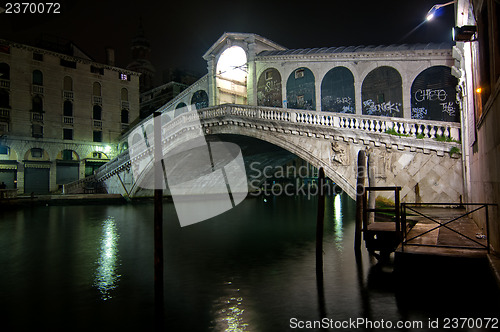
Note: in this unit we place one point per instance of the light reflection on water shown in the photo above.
(228, 311)
(106, 276)
(339, 229)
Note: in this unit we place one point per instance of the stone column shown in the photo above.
(358, 97)
(251, 75)
(212, 88)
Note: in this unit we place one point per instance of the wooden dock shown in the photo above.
(459, 237)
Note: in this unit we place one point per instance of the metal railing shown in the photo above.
(411, 207)
(396, 209)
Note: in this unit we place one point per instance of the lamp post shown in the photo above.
(432, 12)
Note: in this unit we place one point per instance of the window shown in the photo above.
(37, 131)
(37, 104)
(37, 153)
(68, 64)
(67, 154)
(124, 116)
(269, 75)
(4, 99)
(37, 56)
(67, 133)
(97, 155)
(96, 89)
(97, 112)
(4, 150)
(68, 83)
(68, 108)
(124, 94)
(299, 73)
(4, 71)
(97, 136)
(97, 70)
(37, 77)
(124, 77)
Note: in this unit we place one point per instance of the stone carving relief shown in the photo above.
(339, 153)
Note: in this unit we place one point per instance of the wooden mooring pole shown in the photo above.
(360, 185)
(320, 223)
(158, 224)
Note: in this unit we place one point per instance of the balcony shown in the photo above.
(37, 89)
(125, 104)
(68, 95)
(97, 100)
(5, 84)
(97, 123)
(68, 120)
(125, 126)
(36, 117)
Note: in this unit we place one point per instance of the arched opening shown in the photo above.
(37, 77)
(433, 95)
(269, 88)
(382, 93)
(231, 76)
(67, 83)
(301, 90)
(96, 89)
(337, 91)
(200, 99)
(67, 167)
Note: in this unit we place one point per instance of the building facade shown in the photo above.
(61, 115)
(478, 69)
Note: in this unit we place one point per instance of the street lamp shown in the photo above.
(432, 12)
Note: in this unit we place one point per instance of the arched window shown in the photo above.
(300, 90)
(96, 89)
(68, 83)
(200, 99)
(97, 112)
(124, 116)
(337, 91)
(68, 108)
(4, 99)
(433, 95)
(4, 71)
(124, 94)
(37, 104)
(37, 77)
(382, 92)
(269, 88)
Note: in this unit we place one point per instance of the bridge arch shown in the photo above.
(301, 89)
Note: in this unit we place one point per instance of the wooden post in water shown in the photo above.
(360, 184)
(158, 222)
(319, 224)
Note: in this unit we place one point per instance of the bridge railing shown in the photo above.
(376, 124)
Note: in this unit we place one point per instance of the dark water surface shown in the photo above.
(90, 268)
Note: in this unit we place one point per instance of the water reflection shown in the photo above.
(229, 312)
(106, 276)
(339, 229)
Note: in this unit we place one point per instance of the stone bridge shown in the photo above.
(423, 157)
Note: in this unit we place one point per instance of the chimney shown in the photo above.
(110, 56)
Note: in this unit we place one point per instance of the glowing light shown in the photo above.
(429, 17)
(106, 276)
(232, 64)
(479, 90)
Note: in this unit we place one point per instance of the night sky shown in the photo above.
(181, 31)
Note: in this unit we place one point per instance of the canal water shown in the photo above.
(90, 268)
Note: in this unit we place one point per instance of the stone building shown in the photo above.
(61, 114)
(478, 67)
